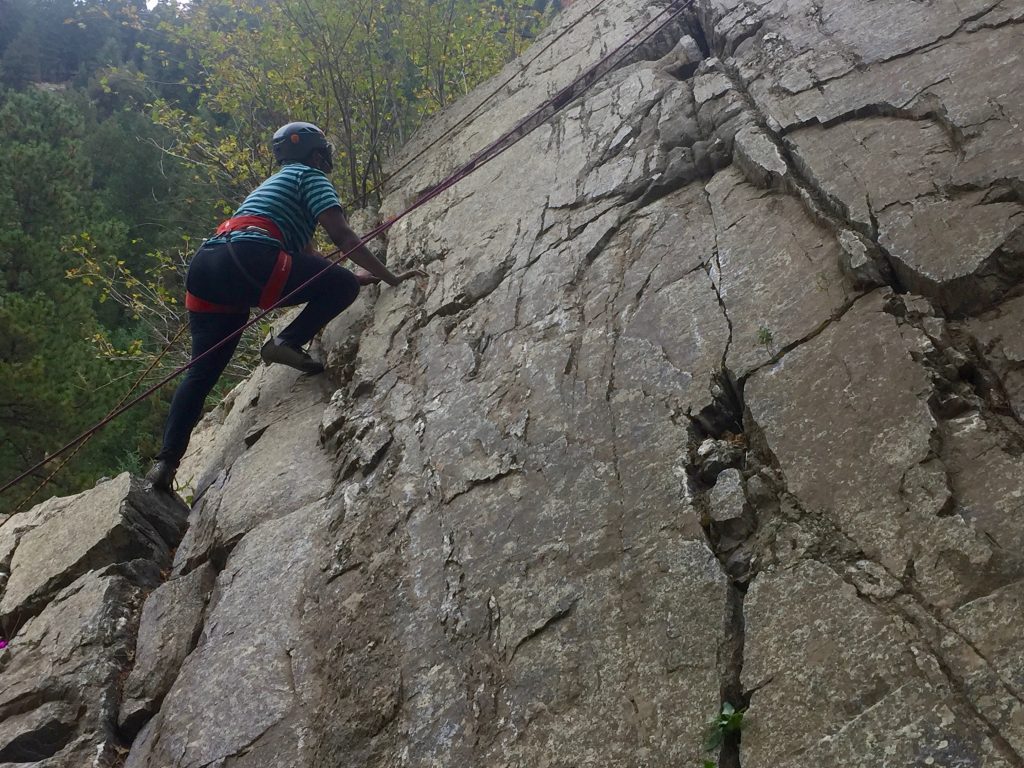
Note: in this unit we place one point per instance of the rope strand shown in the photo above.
(49, 478)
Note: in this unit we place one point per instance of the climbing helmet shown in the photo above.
(298, 141)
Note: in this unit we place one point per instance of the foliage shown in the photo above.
(367, 72)
(729, 721)
(55, 41)
(52, 383)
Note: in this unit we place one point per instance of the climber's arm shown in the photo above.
(333, 220)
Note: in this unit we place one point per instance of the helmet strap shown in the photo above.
(322, 158)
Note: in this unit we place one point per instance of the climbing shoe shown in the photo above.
(276, 351)
(161, 475)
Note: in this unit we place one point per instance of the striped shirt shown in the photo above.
(292, 198)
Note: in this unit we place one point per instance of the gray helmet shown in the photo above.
(297, 141)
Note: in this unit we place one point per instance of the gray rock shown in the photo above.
(39, 733)
(280, 464)
(808, 633)
(728, 502)
(988, 624)
(118, 521)
(844, 163)
(363, 221)
(986, 480)
(685, 55)
(760, 159)
(860, 372)
(964, 254)
(861, 261)
(582, 46)
(976, 644)
(168, 630)
(710, 84)
(58, 696)
(897, 148)
(242, 693)
(14, 527)
(766, 245)
(677, 126)
(716, 456)
(998, 334)
(873, 580)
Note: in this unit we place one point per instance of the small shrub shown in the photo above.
(729, 721)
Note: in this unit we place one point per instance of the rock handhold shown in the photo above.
(760, 158)
(862, 262)
(731, 515)
(116, 522)
(715, 456)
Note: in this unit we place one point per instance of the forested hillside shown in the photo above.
(129, 131)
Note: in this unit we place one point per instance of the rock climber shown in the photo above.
(263, 252)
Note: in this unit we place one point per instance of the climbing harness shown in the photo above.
(270, 292)
(500, 145)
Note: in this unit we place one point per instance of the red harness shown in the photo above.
(271, 292)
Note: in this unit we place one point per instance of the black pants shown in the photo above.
(214, 276)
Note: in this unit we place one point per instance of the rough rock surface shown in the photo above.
(117, 521)
(58, 699)
(714, 395)
(80, 567)
(253, 674)
(171, 619)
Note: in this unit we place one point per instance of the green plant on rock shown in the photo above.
(729, 721)
(765, 337)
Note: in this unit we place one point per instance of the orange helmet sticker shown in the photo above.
(295, 138)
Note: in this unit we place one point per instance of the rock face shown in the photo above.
(71, 646)
(713, 395)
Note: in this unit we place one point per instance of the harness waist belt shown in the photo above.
(194, 304)
(271, 290)
(260, 224)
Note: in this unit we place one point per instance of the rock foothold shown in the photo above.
(118, 521)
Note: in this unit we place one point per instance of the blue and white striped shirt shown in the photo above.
(292, 198)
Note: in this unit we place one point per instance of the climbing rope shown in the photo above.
(468, 116)
(499, 146)
(49, 478)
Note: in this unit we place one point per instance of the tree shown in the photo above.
(367, 72)
(52, 382)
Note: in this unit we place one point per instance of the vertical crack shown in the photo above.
(717, 473)
(731, 669)
(695, 28)
(717, 285)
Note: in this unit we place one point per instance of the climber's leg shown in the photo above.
(333, 290)
(208, 328)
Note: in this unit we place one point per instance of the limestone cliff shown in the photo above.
(713, 394)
